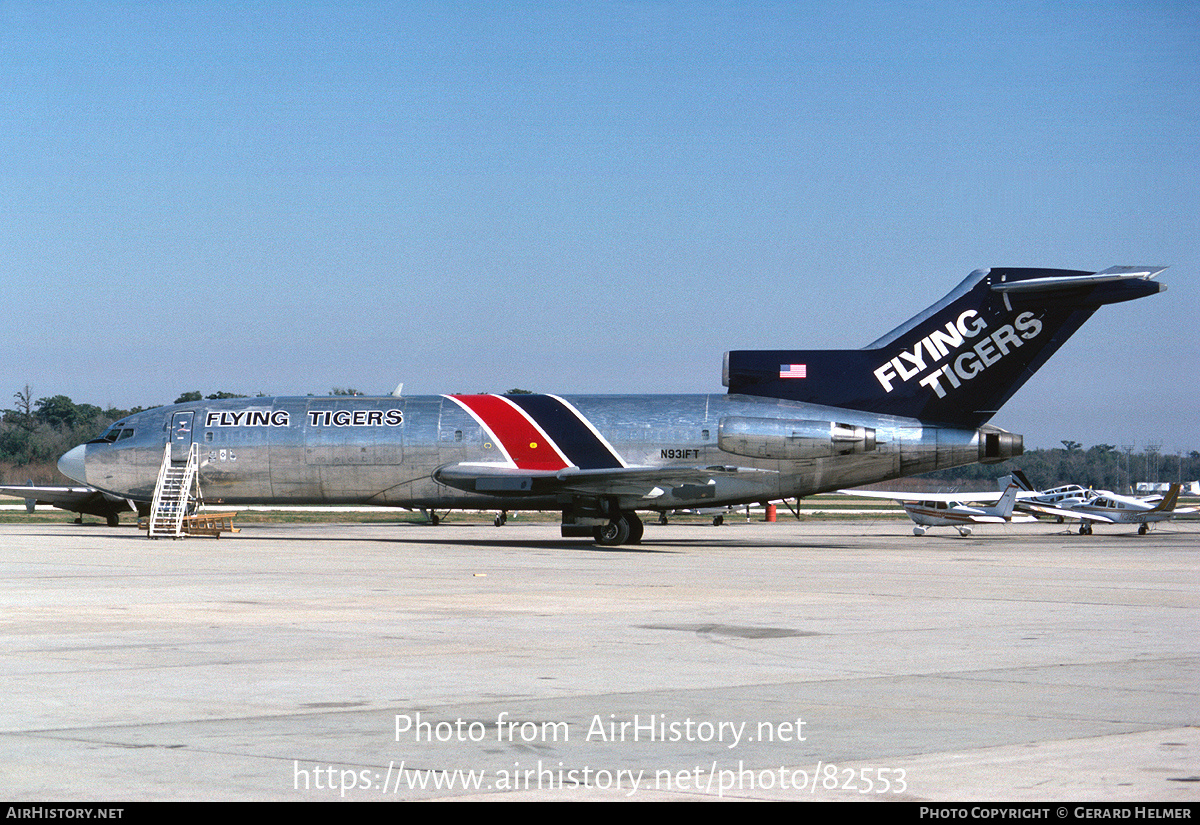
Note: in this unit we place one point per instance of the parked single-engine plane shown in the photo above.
(1109, 508)
(793, 423)
(957, 510)
(1091, 506)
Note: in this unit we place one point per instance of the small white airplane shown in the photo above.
(955, 510)
(1051, 502)
(1089, 506)
(1110, 508)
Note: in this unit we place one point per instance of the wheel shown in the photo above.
(718, 521)
(434, 520)
(114, 520)
(1143, 528)
(662, 517)
(614, 533)
(636, 528)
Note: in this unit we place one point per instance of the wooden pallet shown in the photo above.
(204, 524)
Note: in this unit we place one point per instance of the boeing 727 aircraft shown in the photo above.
(793, 423)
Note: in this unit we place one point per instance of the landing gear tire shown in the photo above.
(718, 521)
(614, 533)
(626, 528)
(1143, 529)
(636, 528)
(113, 520)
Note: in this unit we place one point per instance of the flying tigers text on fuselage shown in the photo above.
(938, 345)
(316, 418)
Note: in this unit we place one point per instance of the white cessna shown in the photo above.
(955, 510)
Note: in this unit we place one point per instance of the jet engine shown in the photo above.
(785, 439)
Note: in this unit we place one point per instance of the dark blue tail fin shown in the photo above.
(955, 363)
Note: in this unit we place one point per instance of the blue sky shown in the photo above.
(285, 197)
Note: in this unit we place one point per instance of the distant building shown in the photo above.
(1149, 488)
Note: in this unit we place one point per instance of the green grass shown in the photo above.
(818, 507)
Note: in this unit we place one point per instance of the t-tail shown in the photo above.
(957, 362)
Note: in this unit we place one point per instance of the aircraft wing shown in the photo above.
(641, 482)
(960, 498)
(76, 499)
(1048, 510)
(1016, 518)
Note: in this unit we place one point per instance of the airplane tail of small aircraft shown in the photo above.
(1169, 500)
(956, 362)
(1019, 478)
(1004, 507)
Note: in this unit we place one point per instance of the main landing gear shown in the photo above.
(625, 528)
(603, 520)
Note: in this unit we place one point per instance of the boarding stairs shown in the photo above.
(173, 494)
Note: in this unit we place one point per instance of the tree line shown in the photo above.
(36, 431)
(1102, 466)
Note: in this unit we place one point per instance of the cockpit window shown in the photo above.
(114, 433)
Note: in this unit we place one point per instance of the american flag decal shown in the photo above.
(793, 371)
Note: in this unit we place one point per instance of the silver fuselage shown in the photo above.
(386, 450)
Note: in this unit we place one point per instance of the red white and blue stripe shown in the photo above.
(540, 432)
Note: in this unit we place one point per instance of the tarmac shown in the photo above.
(823, 660)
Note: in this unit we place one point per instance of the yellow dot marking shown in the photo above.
(533, 445)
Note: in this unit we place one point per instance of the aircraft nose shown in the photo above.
(73, 464)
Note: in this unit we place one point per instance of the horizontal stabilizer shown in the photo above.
(1115, 274)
